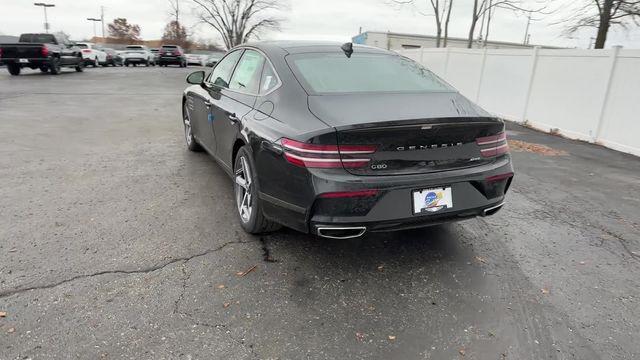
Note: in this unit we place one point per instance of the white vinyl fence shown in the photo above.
(591, 95)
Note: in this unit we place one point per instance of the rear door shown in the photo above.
(236, 101)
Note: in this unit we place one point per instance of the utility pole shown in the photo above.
(46, 20)
(526, 32)
(102, 19)
(94, 20)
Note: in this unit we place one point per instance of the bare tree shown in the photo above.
(238, 20)
(482, 7)
(602, 14)
(441, 14)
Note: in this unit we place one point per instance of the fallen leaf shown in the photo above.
(544, 290)
(481, 259)
(243, 273)
(381, 268)
(360, 336)
(517, 145)
(462, 352)
(3, 313)
(582, 262)
(11, 330)
(392, 337)
(221, 286)
(226, 305)
(13, 250)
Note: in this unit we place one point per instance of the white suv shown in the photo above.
(92, 54)
(138, 54)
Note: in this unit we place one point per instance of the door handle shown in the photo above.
(207, 103)
(233, 118)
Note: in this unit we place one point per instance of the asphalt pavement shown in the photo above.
(116, 242)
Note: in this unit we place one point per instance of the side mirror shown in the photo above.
(196, 78)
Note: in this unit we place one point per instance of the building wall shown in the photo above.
(394, 41)
(590, 95)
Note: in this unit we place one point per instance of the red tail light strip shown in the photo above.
(499, 142)
(45, 51)
(325, 156)
(349, 194)
(496, 178)
(492, 139)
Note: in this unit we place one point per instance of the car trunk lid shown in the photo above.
(413, 133)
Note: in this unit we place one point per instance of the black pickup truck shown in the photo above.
(40, 51)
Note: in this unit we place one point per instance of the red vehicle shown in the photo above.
(172, 55)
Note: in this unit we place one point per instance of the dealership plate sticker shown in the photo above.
(432, 200)
(24, 60)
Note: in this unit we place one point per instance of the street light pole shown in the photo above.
(94, 20)
(46, 20)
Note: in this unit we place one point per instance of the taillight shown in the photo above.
(326, 156)
(494, 145)
(0, 52)
(86, 51)
(177, 52)
(44, 51)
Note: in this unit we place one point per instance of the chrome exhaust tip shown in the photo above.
(341, 233)
(492, 210)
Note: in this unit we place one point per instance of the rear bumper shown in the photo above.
(135, 60)
(171, 60)
(392, 207)
(32, 62)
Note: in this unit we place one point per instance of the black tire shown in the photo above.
(253, 222)
(44, 69)
(126, 64)
(146, 63)
(14, 69)
(54, 66)
(80, 66)
(135, 64)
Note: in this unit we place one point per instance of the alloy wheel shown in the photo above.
(188, 134)
(243, 182)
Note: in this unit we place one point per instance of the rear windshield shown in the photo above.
(82, 46)
(135, 47)
(326, 73)
(169, 46)
(38, 38)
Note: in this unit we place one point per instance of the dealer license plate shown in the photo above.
(427, 201)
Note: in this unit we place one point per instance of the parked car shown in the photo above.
(212, 60)
(340, 140)
(138, 54)
(196, 59)
(113, 57)
(92, 54)
(46, 52)
(156, 54)
(172, 55)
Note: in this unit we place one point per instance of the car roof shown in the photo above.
(304, 46)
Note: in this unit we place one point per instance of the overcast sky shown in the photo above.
(305, 19)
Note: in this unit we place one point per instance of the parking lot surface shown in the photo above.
(117, 242)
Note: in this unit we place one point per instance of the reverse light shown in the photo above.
(494, 145)
(44, 51)
(349, 194)
(326, 156)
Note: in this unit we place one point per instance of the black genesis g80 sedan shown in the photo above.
(340, 139)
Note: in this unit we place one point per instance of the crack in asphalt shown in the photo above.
(185, 259)
(556, 216)
(185, 278)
